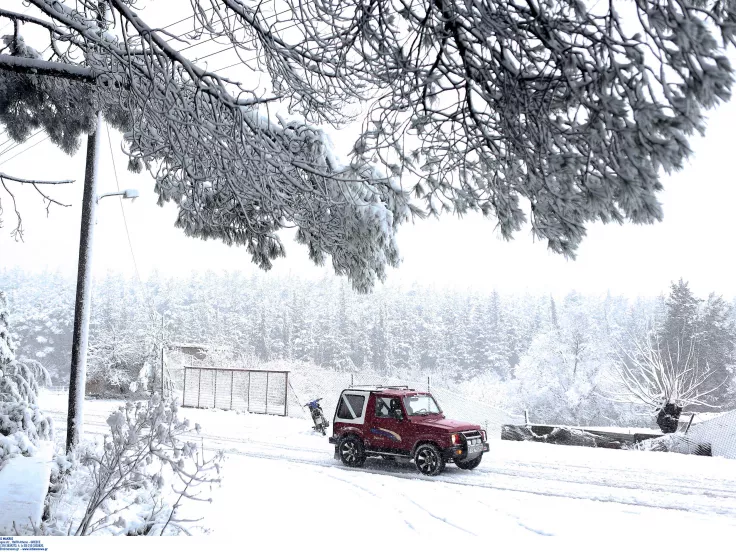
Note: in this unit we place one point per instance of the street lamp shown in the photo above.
(127, 194)
(78, 372)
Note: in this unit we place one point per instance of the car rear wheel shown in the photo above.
(469, 464)
(351, 451)
(428, 459)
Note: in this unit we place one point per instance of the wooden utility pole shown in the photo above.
(78, 373)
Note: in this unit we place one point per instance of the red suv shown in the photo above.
(402, 422)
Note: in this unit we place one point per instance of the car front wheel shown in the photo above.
(351, 451)
(469, 464)
(428, 459)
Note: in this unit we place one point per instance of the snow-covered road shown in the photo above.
(281, 478)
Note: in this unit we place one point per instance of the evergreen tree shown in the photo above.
(682, 309)
(22, 424)
(553, 312)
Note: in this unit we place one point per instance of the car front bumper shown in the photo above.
(458, 452)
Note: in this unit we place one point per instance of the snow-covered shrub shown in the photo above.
(22, 424)
(124, 485)
(675, 442)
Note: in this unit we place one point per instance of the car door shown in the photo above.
(387, 431)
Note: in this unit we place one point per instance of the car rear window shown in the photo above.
(351, 407)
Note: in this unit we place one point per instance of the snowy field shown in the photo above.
(280, 479)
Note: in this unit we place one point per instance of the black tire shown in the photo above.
(351, 451)
(469, 464)
(428, 460)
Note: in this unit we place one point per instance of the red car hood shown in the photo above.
(444, 423)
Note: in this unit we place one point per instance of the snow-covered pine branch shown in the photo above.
(236, 175)
(571, 107)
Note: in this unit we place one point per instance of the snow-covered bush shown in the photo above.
(675, 442)
(22, 424)
(124, 485)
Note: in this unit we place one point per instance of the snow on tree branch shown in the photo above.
(572, 106)
(566, 106)
(236, 175)
(18, 230)
(654, 374)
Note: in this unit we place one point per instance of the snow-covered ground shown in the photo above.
(281, 480)
(23, 485)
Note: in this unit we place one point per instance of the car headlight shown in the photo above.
(455, 438)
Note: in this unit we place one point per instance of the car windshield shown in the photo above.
(421, 405)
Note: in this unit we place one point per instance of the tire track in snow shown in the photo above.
(546, 472)
(696, 489)
(731, 512)
(401, 513)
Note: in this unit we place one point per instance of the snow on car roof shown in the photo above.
(390, 391)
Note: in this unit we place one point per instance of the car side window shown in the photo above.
(383, 407)
(351, 407)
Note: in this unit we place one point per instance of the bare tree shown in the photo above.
(481, 104)
(656, 376)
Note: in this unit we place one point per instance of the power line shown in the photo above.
(122, 209)
(6, 141)
(266, 18)
(25, 150)
(18, 144)
(127, 232)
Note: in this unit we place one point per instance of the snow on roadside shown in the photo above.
(281, 482)
(282, 502)
(24, 481)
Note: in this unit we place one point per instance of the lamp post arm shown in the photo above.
(127, 194)
(99, 197)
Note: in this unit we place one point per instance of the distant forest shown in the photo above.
(558, 358)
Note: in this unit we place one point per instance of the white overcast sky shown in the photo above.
(693, 242)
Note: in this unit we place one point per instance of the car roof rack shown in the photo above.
(372, 387)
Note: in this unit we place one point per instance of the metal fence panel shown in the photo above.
(190, 396)
(276, 394)
(256, 391)
(241, 390)
(223, 389)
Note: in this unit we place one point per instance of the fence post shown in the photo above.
(526, 417)
(214, 395)
(184, 393)
(247, 407)
(690, 422)
(232, 384)
(199, 389)
(427, 384)
(351, 380)
(266, 393)
(286, 395)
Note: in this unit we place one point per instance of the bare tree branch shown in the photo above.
(653, 377)
(33, 181)
(17, 232)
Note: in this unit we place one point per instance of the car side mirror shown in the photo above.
(397, 414)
